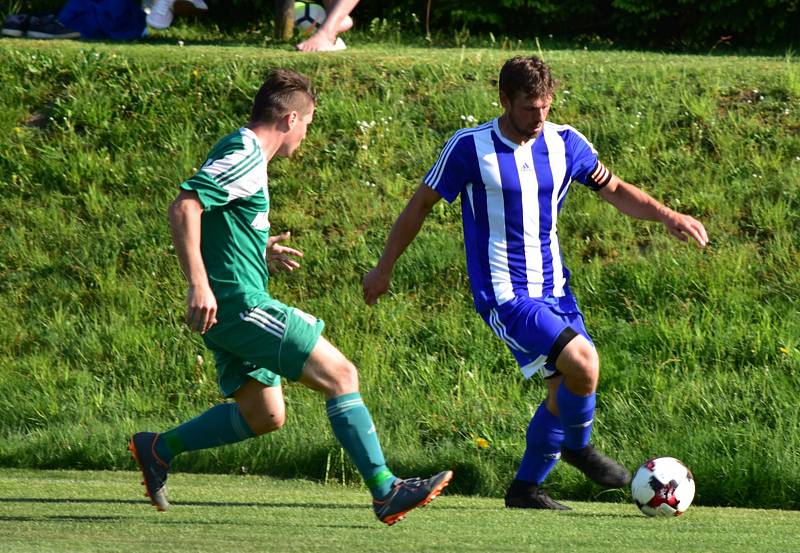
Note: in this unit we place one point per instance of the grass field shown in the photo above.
(81, 512)
(700, 352)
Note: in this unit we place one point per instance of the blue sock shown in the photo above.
(222, 424)
(352, 426)
(543, 446)
(576, 413)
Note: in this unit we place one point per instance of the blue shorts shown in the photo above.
(530, 327)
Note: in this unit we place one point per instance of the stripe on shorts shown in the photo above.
(264, 320)
(500, 329)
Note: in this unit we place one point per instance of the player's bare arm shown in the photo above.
(633, 201)
(184, 224)
(279, 257)
(404, 230)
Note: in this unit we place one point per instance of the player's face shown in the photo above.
(526, 115)
(298, 124)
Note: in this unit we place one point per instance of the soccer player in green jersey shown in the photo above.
(220, 227)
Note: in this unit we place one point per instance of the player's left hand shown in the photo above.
(279, 257)
(376, 283)
(683, 226)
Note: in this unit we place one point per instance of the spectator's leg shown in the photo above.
(337, 21)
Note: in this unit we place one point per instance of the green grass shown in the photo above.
(87, 511)
(699, 348)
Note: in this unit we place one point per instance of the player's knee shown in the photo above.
(273, 422)
(345, 377)
(580, 366)
(266, 422)
(588, 372)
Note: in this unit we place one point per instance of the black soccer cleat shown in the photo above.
(597, 467)
(409, 494)
(154, 470)
(524, 495)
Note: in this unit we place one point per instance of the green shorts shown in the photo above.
(264, 342)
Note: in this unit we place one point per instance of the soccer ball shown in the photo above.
(308, 17)
(663, 487)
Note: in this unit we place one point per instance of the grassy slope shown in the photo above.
(96, 511)
(700, 349)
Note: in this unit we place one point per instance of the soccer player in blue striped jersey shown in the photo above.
(513, 175)
(220, 228)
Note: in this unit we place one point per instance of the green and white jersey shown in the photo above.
(232, 186)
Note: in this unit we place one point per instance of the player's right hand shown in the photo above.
(376, 283)
(201, 312)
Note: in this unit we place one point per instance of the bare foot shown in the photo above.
(321, 42)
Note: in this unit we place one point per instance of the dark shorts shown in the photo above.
(264, 342)
(531, 327)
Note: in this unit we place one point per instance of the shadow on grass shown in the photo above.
(94, 519)
(266, 505)
(60, 518)
(606, 515)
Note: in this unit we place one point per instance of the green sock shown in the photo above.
(222, 424)
(352, 426)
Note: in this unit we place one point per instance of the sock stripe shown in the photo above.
(340, 408)
(582, 424)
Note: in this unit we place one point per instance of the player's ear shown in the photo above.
(505, 101)
(291, 119)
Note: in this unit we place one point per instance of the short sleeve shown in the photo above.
(210, 193)
(582, 155)
(238, 173)
(450, 174)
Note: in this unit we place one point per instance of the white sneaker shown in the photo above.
(338, 45)
(160, 16)
(162, 12)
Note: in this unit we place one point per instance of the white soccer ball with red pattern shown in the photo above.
(308, 17)
(663, 487)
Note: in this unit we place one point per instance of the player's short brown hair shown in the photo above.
(283, 91)
(526, 75)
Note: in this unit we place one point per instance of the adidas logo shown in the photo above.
(525, 166)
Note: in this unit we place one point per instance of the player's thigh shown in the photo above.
(328, 370)
(261, 406)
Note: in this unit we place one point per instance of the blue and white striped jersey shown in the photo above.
(510, 198)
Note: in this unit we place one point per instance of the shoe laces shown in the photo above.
(415, 482)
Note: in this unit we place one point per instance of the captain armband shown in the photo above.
(599, 177)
